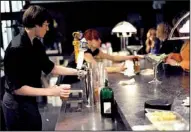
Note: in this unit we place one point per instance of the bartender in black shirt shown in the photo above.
(24, 60)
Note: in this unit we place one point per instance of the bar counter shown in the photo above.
(130, 99)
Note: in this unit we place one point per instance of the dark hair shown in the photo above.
(91, 34)
(35, 15)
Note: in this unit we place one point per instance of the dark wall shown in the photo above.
(172, 8)
(73, 16)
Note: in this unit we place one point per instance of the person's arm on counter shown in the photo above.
(185, 64)
(181, 59)
(175, 56)
(116, 58)
(89, 58)
(112, 69)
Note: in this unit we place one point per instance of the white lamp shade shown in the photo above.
(185, 28)
(124, 27)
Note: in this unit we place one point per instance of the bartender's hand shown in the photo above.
(139, 57)
(63, 90)
(81, 74)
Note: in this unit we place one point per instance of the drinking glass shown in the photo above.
(155, 80)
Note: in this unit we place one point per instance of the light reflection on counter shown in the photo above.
(131, 90)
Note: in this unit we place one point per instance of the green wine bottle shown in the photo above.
(107, 101)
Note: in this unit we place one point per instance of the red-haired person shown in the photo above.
(92, 37)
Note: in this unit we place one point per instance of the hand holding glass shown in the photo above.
(65, 91)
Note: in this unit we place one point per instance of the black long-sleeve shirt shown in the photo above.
(24, 61)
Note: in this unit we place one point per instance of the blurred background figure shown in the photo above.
(163, 30)
(162, 33)
(152, 42)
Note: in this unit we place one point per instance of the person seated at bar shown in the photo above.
(180, 59)
(152, 42)
(93, 52)
(167, 46)
(162, 33)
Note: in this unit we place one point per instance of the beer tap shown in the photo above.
(87, 67)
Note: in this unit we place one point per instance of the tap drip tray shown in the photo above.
(74, 102)
(74, 106)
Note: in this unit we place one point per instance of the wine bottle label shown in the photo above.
(107, 107)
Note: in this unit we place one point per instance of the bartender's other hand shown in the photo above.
(63, 90)
(171, 62)
(81, 74)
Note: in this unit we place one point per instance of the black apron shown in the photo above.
(21, 116)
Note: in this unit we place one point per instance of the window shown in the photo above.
(6, 32)
(5, 6)
(6, 25)
(16, 6)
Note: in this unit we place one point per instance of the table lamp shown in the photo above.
(124, 30)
